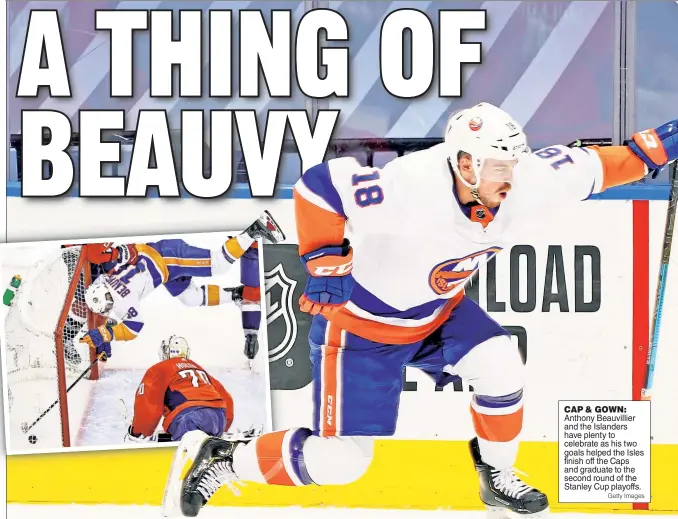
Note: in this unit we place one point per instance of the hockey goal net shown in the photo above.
(43, 325)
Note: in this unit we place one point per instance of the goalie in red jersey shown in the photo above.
(181, 393)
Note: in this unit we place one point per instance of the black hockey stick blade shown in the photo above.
(580, 143)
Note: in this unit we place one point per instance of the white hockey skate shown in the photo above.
(267, 228)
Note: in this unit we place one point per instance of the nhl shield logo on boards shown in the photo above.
(280, 311)
(476, 123)
(287, 328)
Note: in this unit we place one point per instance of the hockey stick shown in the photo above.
(25, 427)
(580, 143)
(661, 284)
(663, 268)
(122, 408)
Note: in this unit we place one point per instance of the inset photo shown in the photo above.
(135, 341)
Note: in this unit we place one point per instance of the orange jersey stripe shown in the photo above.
(270, 459)
(155, 257)
(388, 333)
(620, 166)
(189, 262)
(213, 295)
(316, 227)
(121, 332)
(498, 428)
(234, 248)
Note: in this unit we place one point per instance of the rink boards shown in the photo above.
(404, 474)
(581, 290)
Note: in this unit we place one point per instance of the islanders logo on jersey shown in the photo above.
(446, 276)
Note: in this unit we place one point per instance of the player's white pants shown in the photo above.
(205, 295)
(295, 457)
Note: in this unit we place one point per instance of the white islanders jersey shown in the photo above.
(414, 244)
(129, 285)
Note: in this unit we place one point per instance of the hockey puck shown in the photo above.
(33, 438)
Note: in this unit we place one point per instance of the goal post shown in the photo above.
(43, 327)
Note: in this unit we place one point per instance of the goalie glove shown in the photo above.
(132, 437)
(110, 255)
(330, 281)
(656, 147)
(100, 253)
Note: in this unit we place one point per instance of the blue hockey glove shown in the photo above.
(330, 281)
(657, 147)
(100, 339)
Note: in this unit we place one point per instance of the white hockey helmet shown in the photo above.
(175, 346)
(484, 132)
(99, 298)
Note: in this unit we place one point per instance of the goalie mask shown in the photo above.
(99, 299)
(174, 347)
(492, 138)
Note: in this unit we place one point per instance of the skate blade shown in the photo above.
(498, 512)
(278, 233)
(183, 458)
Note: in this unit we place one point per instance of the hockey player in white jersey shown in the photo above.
(393, 296)
(172, 263)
